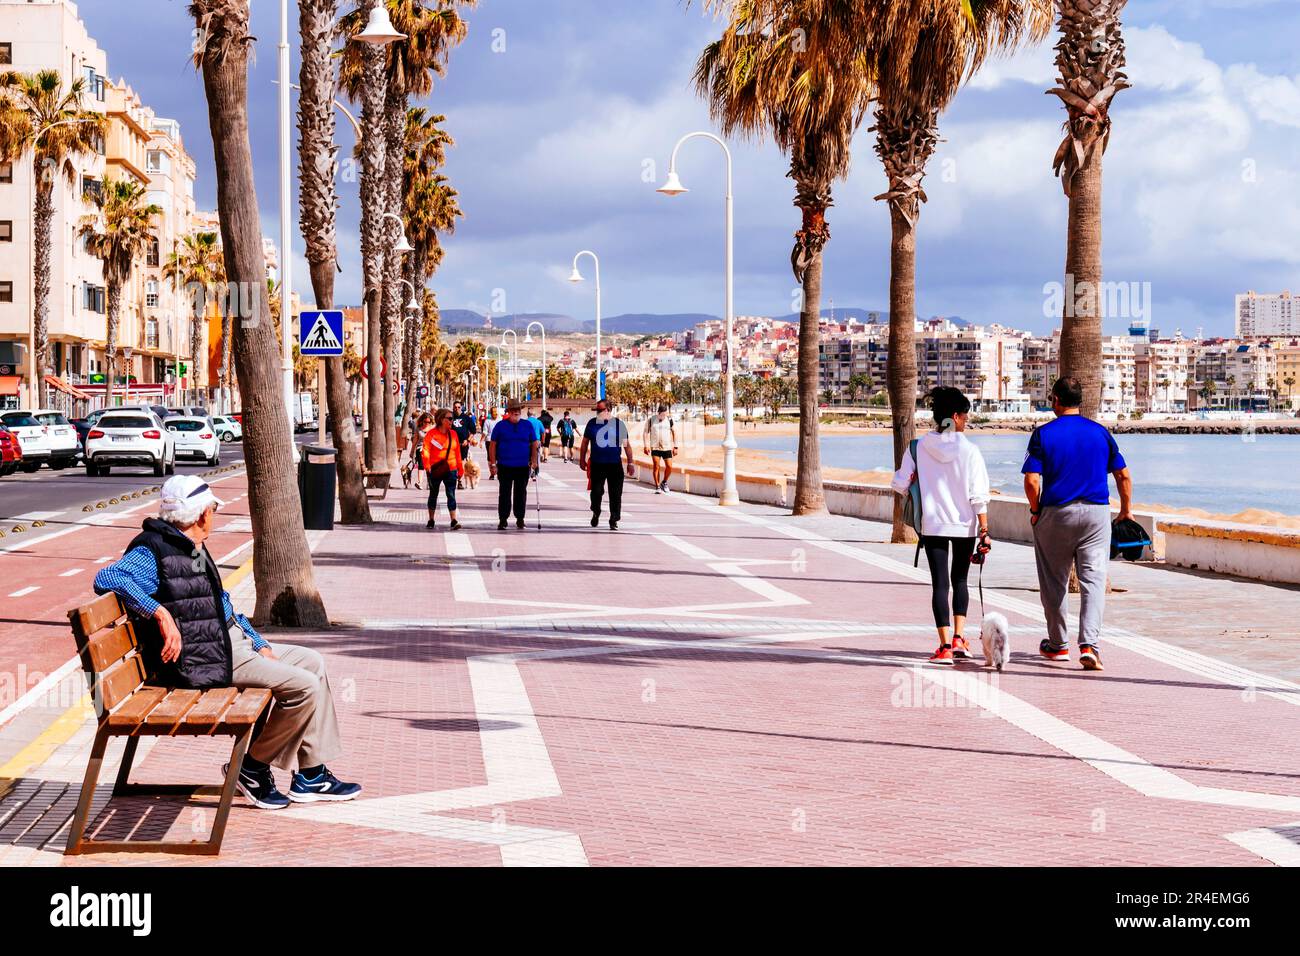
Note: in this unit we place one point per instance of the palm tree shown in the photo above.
(1090, 64)
(38, 115)
(198, 266)
(127, 221)
(318, 208)
(760, 80)
(286, 586)
(408, 68)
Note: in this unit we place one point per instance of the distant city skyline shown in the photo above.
(563, 125)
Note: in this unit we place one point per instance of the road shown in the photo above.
(57, 495)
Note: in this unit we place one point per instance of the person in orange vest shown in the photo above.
(442, 463)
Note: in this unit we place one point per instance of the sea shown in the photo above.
(1222, 474)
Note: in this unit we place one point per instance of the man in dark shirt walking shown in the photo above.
(512, 459)
(604, 440)
(1065, 472)
(464, 424)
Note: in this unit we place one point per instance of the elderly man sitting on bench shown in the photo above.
(191, 637)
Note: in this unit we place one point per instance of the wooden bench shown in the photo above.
(378, 479)
(127, 706)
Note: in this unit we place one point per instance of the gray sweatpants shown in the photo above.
(301, 730)
(1077, 534)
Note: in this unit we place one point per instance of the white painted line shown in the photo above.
(24, 591)
(106, 559)
(239, 550)
(40, 690)
(1267, 843)
(36, 516)
(70, 572)
(467, 582)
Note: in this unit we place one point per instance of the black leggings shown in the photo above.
(936, 555)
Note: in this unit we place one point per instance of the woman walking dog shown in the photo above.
(954, 491)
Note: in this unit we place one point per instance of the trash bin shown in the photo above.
(316, 486)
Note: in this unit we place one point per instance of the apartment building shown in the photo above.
(1287, 378)
(1118, 374)
(168, 307)
(1234, 375)
(49, 35)
(1163, 374)
(1263, 315)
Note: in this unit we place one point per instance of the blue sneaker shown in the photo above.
(324, 786)
(258, 787)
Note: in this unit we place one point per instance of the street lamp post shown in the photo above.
(485, 379)
(673, 187)
(500, 360)
(514, 361)
(576, 276)
(528, 339)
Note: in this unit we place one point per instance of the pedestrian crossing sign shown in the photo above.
(321, 333)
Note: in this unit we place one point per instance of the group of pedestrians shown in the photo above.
(1066, 472)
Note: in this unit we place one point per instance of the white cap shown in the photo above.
(185, 498)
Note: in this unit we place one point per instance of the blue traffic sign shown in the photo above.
(320, 333)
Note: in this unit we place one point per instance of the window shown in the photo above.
(6, 172)
(6, 52)
(93, 298)
(151, 294)
(90, 188)
(6, 230)
(157, 162)
(151, 258)
(6, 291)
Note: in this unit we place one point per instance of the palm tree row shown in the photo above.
(804, 73)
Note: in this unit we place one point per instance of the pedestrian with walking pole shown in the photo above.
(512, 459)
(604, 440)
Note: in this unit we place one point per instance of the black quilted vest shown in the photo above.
(189, 586)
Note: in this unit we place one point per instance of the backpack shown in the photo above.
(912, 513)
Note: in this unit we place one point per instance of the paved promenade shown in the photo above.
(736, 686)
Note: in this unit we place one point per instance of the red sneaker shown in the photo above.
(1053, 653)
(960, 649)
(1089, 657)
(943, 655)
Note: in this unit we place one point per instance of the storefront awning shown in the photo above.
(55, 382)
(10, 384)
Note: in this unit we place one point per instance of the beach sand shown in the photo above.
(697, 450)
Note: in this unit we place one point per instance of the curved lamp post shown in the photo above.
(514, 362)
(673, 187)
(528, 339)
(500, 360)
(576, 276)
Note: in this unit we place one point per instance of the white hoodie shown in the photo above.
(954, 484)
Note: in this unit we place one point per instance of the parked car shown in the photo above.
(11, 452)
(129, 437)
(228, 429)
(195, 438)
(33, 438)
(194, 411)
(65, 446)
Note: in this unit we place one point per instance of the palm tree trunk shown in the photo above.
(809, 498)
(1081, 355)
(318, 163)
(197, 337)
(42, 216)
(395, 146)
(373, 248)
(901, 371)
(282, 569)
(905, 140)
(114, 306)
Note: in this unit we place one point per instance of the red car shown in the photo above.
(11, 455)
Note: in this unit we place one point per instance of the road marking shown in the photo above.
(36, 516)
(467, 582)
(1279, 848)
(107, 558)
(48, 740)
(40, 690)
(70, 572)
(25, 591)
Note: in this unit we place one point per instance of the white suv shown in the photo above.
(129, 438)
(45, 437)
(195, 438)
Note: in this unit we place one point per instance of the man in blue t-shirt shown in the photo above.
(1066, 471)
(512, 458)
(604, 441)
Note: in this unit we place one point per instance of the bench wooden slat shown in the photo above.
(247, 708)
(89, 618)
(173, 707)
(108, 647)
(117, 683)
(129, 715)
(211, 706)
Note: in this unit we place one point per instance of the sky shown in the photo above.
(564, 114)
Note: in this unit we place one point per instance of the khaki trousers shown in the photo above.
(302, 730)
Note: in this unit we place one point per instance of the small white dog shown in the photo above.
(996, 638)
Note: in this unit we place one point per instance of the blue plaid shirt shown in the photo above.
(135, 580)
